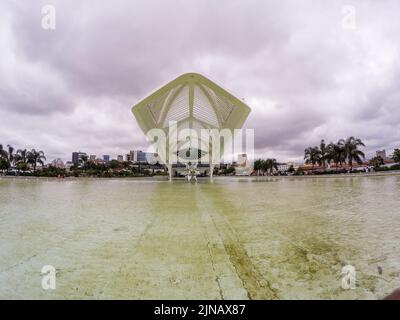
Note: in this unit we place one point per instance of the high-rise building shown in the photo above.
(128, 157)
(77, 157)
(141, 156)
(381, 153)
(120, 158)
(106, 158)
(92, 157)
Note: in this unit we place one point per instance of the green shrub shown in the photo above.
(394, 167)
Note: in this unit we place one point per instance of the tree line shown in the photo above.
(267, 165)
(22, 159)
(345, 151)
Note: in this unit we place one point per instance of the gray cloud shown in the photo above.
(304, 76)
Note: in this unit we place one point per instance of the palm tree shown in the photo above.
(4, 164)
(351, 146)
(21, 159)
(396, 155)
(3, 153)
(376, 162)
(312, 155)
(324, 154)
(269, 165)
(336, 153)
(258, 165)
(11, 156)
(34, 157)
(21, 156)
(84, 160)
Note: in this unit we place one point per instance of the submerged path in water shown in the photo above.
(265, 238)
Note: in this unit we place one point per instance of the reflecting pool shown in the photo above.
(233, 238)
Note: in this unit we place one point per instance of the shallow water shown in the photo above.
(270, 238)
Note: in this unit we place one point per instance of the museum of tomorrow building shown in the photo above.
(194, 118)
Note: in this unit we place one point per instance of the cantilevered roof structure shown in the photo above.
(194, 102)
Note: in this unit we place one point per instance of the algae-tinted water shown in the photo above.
(276, 238)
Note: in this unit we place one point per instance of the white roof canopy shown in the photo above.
(194, 102)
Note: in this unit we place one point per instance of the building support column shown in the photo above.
(169, 166)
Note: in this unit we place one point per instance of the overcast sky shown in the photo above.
(307, 69)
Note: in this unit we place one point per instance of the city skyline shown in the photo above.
(303, 78)
(107, 157)
(137, 155)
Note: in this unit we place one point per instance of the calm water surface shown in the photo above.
(274, 238)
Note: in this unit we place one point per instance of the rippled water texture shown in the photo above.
(276, 238)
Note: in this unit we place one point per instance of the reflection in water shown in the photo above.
(257, 238)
